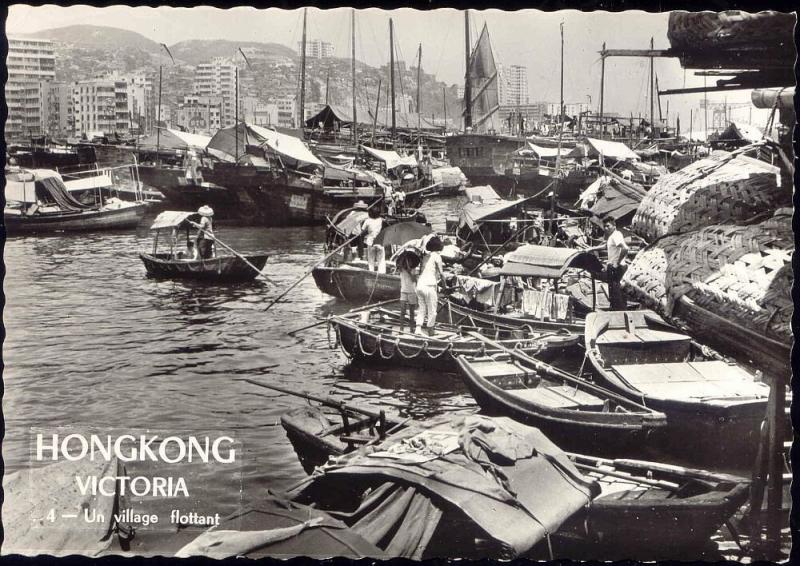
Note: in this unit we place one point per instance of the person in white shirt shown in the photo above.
(617, 251)
(370, 228)
(431, 272)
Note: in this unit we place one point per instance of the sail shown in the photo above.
(483, 79)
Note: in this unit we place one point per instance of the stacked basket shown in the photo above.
(726, 187)
(742, 274)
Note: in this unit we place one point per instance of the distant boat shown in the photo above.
(38, 201)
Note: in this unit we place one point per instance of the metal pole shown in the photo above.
(158, 119)
(301, 110)
(652, 123)
(419, 108)
(236, 112)
(444, 100)
(377, 106)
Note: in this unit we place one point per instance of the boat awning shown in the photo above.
(391, 158)
(170, 219)
(741, 132)
(548, 262)
(548, 152)
(289, 146)
(614, 203)
(94, 182)
(474, 213)
(610, 149)
(20, 191)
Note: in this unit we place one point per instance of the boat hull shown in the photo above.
(228, 268)
(183, 193)
(85, 221)
(357, 285)
(454, 313)
(608, 434)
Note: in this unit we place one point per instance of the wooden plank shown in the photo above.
(498, 368)
(583, 398)
(542, 396)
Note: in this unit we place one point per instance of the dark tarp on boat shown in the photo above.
(54, 187)
(617, 201)
(548, 262)
(506, 477)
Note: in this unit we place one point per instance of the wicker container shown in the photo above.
(740, 274)
(723, 188)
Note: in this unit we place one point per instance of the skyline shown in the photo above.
(525, 37)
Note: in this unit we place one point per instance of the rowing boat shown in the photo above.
(571, 411)
(356, 285)
(455, 313)
(714, 406)
(377, 335)
(220, 268)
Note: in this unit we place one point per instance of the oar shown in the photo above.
(351, 311)
(307, 273)
(547, 368)
(224, 245)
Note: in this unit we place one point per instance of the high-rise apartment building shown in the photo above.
(30, 62)
(141, 99)
(218, 78)
(100, 105)
(57, 119)
(317, 49)
(512, 84)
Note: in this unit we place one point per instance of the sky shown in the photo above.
(524, 37)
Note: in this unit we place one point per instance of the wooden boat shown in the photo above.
(432, 489)
(177, 265)
(714, 407)
(455, 313)
(356, 284)
(38, 201)
(571, 411)
(649, 510)
(365, 336)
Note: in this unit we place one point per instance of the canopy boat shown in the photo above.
(38, 201)
(464, 487)
(714, 407)
(179, 264)
(649, 510)
(364, 335)
(572, 411)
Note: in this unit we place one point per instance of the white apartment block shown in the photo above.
(218, 78)
(30, 62)
(100, 105)
(57, 118)
(141, 99)
(512, 84)
(317, 49)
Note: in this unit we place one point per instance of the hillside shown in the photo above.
(98, 37)
(197, 51)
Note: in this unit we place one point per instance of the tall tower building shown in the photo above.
(218, 78)
(30, 63)
(516, 79)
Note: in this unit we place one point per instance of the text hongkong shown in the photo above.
(129, 448)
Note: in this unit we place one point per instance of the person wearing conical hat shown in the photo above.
(203, 241)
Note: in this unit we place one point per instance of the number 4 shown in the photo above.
(51, 515)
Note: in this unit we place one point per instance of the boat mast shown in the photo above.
(302, 75)
(236, 109)
(377, 107)
(444, 100)
(602, 88)
(467, 86)
(354, 126)
(158, 118)
(391, 74)
(557, 181)
(652, 123)
(419, 109)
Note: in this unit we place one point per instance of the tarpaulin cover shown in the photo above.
(175, 139)
(485, 194)
(474, 212)
(506, 477)
(32, 493)
(615, 202)
(610, 149)
(391, 158)
(343, 113)
(170, 219)
(225, 142)
(402, 232)
(548, 262)
(53, 186)
(289, 146)
(743, 132)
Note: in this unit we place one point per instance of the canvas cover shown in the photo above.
(548, 262)
(170, 219)
(287, 145)
(225, 142)
(485, 194)
(506, 477)
(365, 117)
(94, 182)
(474, 213)
(176, 139)
(547, 152)
(609, 149)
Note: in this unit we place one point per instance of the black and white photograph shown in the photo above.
(376, 283)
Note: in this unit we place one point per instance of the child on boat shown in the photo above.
(407, 263)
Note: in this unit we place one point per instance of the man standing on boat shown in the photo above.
(370, 228)
(617, 251)
(203, 241)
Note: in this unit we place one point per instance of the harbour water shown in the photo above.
(93, 344)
